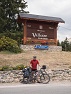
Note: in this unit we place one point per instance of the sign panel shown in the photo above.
(40, 32)
(43, 47)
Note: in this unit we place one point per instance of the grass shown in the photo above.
(6, 52)
(7, 68)
(69, 67)
(54, 60)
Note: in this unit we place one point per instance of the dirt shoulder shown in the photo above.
(59, 83)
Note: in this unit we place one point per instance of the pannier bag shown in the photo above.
(44, 67)
(26, 73)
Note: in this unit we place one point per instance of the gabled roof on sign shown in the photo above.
(41, 18)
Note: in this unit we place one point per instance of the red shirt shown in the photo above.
(34, 64)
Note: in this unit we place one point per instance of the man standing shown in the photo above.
(34, 64)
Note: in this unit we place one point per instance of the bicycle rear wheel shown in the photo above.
(45, 78)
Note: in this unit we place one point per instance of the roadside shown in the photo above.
(52, 83)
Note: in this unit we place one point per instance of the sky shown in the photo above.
(54, 8)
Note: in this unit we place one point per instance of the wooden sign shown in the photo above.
(40, 32)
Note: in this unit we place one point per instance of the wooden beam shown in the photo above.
(55, 34)
(25, 31)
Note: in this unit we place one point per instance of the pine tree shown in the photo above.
(9, 9)
(58, 43)
(66, 46)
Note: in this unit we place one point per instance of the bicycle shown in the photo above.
(40, 76)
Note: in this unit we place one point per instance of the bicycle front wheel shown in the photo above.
(45, 78)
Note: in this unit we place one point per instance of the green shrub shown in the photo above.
(19, 67)
(5, 68)
(69, 67)
(16, 35)
(0, 68)
(9, 44)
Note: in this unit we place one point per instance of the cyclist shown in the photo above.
(34, 64)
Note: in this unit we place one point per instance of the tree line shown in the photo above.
(66, 45)
(10, 29)
(9, 11)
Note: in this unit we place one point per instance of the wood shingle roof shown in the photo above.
(41, 18)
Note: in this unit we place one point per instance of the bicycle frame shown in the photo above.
(38, 75)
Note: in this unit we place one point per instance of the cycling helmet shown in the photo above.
(34, 56)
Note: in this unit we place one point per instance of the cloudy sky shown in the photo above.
(55, 8)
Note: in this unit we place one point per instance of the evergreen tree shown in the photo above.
(63, 46)
(66, 46)
(58, 43)
(9, 9)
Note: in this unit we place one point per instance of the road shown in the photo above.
(36, 89)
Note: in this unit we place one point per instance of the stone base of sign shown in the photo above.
(51, 48)
(55, 48)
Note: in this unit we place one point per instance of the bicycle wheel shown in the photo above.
(45, 78)
(25, 80)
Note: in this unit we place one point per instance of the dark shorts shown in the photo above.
(34, 69)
